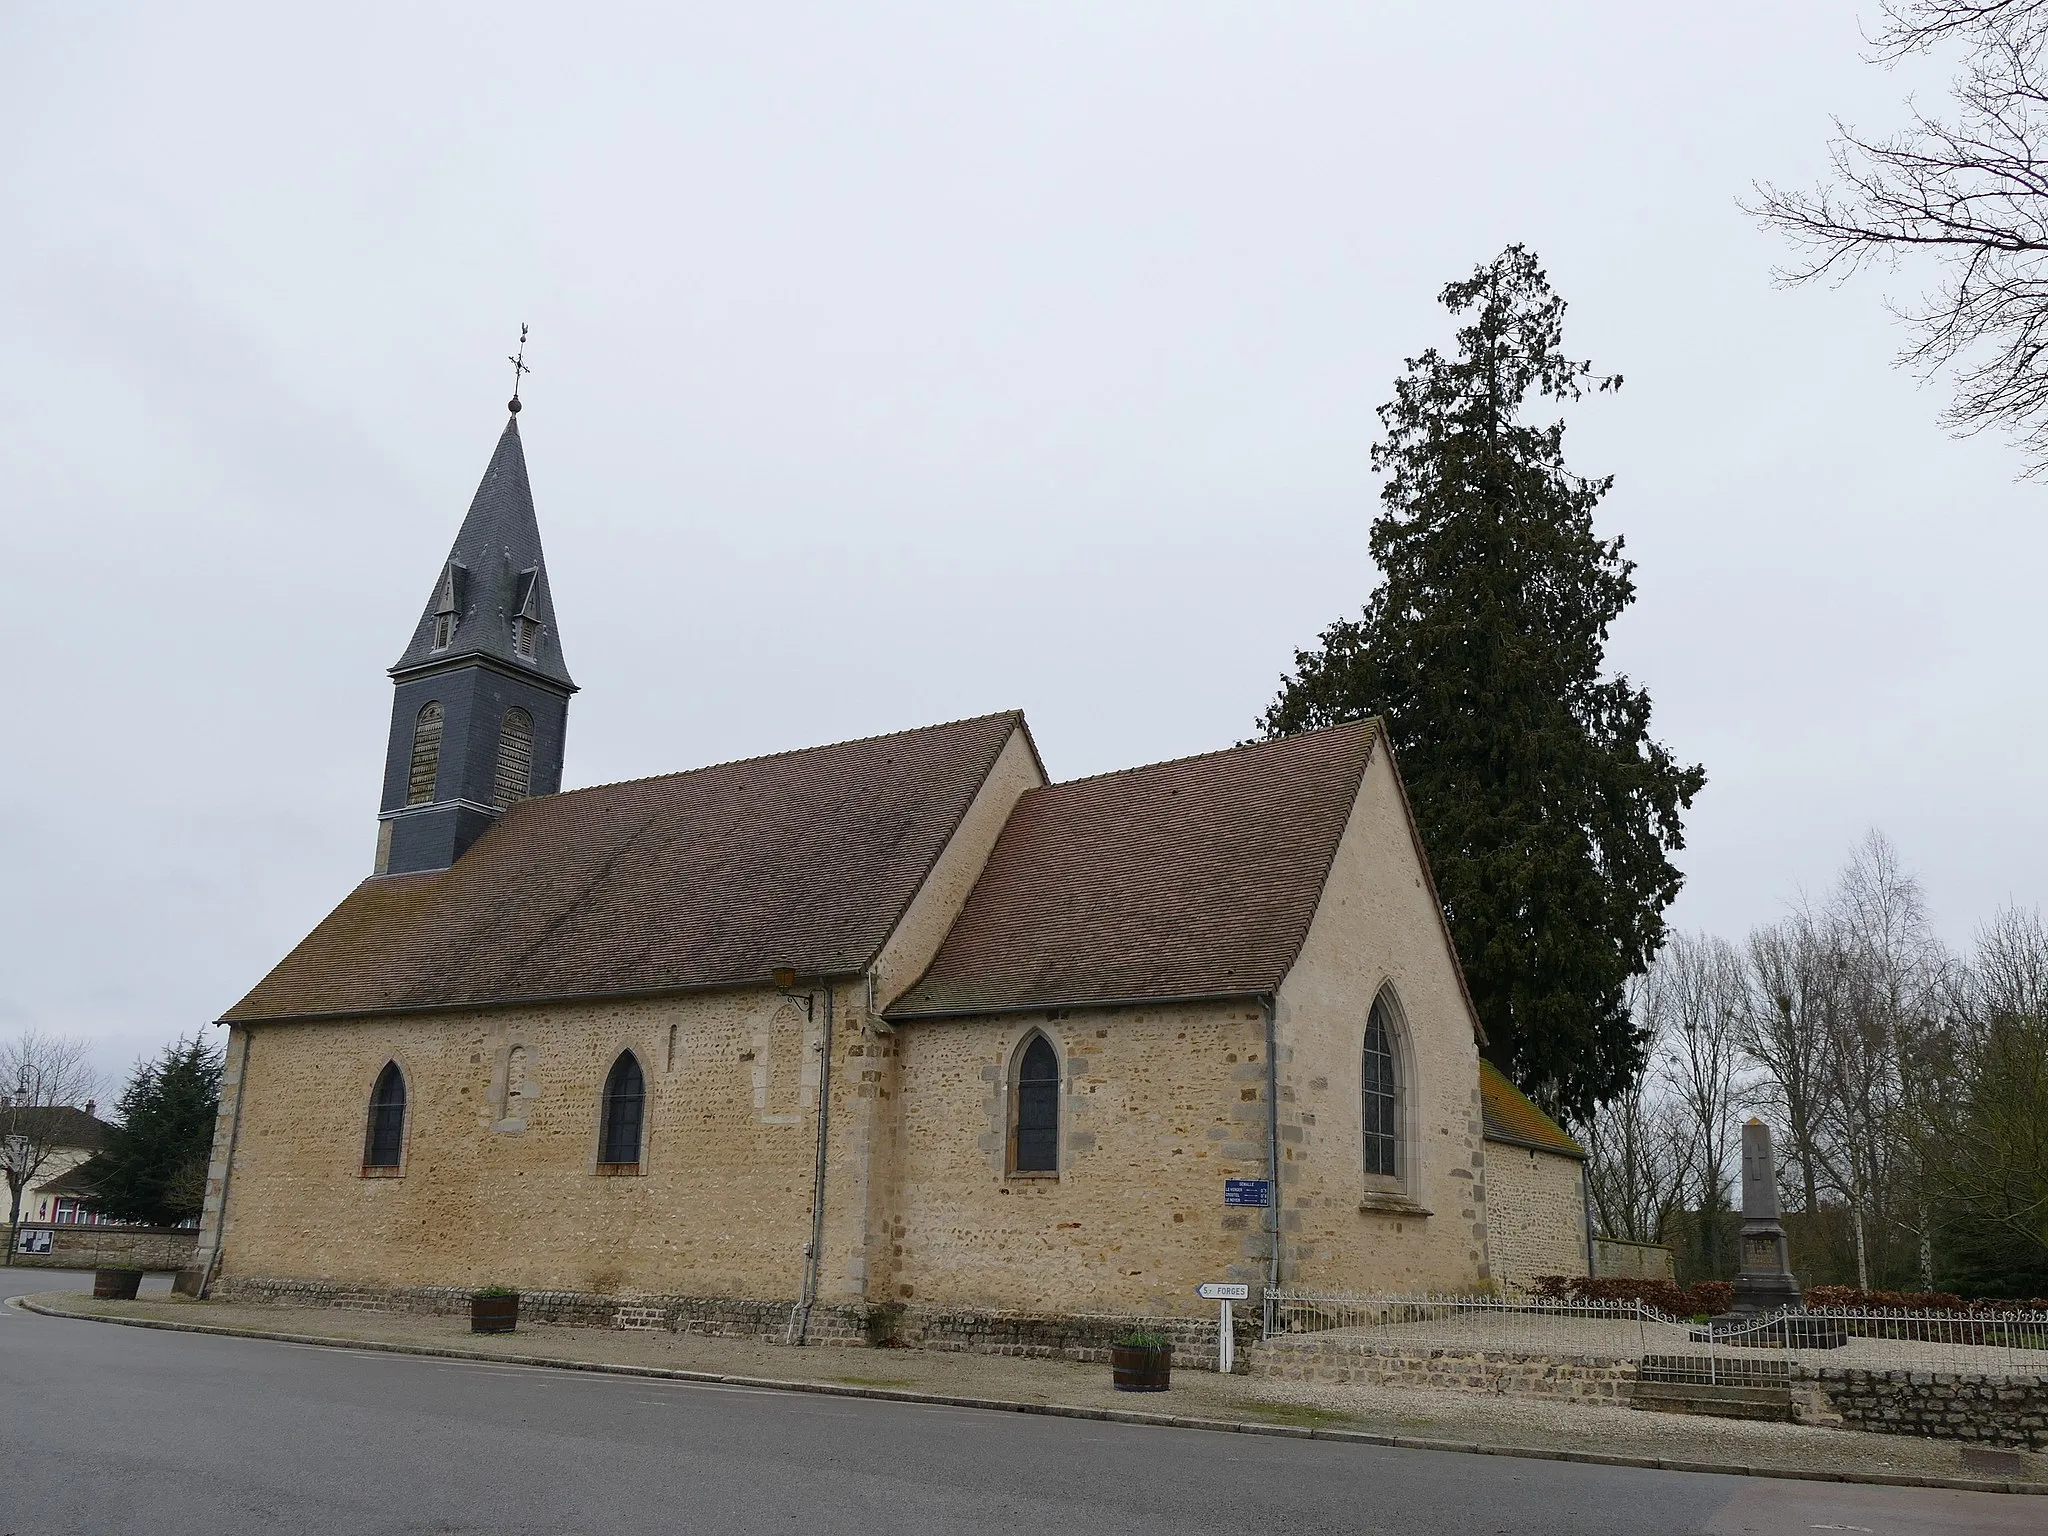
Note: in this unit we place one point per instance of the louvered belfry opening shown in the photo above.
(426, 756)
(1037, 1137)
(384, 1142)
(1379, 1094)
(515, 759)
(623, 1109)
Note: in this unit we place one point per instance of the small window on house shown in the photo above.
(515, 758)
(526, 636)
(1035, 1134)
(620, 1117)
(426, 756)
(384, 1141)
(1381, 1094)
(444, 630)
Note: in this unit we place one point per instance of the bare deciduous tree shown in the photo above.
(1968, 190)
(1641, 1152)
(1695, 1003)
(39, 1074)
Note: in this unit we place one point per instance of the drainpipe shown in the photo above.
(227, 1173)
(1586, 1205)
(800, 1320)
(1266, 1007)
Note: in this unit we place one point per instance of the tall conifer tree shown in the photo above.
(1547, 810)
(153, 1167)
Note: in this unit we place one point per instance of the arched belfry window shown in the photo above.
(426, 756)
(1380, 1092)
(515, 758)
(1035, 1112)
(620, 1116)
(384, 1139)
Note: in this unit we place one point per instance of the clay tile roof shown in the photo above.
(806, 859)
(1511, 1118)
(1194, 878)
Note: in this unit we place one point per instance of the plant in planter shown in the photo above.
(1141, 1362)
(493, 1309)
(116, 1284)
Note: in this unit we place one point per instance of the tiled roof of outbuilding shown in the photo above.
(1510, 1117)
(1194, 878)
(806, 859)
(56, 1125)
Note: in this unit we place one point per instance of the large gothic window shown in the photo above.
(1381, 1094)
(515, 758)
(620, 1116)
(1035, 1133)
(426, 756)
(384, 1139)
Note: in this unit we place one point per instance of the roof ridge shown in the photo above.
(769, 757)
(1196, 757)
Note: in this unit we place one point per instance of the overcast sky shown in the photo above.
(895, 363)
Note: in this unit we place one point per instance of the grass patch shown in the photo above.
(1302, 1415)
(874, 1381)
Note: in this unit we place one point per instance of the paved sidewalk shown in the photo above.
(1467, 1420)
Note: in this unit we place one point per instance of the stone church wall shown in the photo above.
(1535, 1215)
(1159, 1106)
(499, 1181)
(1426, 1229)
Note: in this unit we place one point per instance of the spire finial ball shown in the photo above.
(512, 405)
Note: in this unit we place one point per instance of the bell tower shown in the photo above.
(482, 693)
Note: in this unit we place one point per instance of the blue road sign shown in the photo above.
(1247, 1192)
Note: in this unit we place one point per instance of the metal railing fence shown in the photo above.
(1758, 1350)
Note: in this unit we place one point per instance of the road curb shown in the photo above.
(1054, 1410)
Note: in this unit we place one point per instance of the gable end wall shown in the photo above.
(1377, 923)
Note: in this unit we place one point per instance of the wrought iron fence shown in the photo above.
(1757, 1351)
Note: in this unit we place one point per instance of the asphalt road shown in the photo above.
(106, 1431)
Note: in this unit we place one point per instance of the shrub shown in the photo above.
(1707, 1298)
(1143, 1340)
(493, 1292)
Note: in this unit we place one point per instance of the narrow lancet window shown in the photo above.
(620, 1117)
(384, 1141)
(426, 756)
(1036, 1136)
(1381, 1095)
(515, 758)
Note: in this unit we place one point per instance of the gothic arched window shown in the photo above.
(1035, 1125)
(1380, 1094)
(620, 1116)
(426, 756)
(384, 1139)
(515, 759)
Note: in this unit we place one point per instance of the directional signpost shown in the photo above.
(1220, 1291)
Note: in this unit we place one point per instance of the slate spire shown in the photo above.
(481, 704)
(495, 580)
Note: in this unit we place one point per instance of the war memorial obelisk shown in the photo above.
(1765, 1283)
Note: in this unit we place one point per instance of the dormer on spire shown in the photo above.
(482, 691)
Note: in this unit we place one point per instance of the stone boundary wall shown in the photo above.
(88, 1247)
(1615, 1257)
(1034, 1335)
(1339, 1361)
(1992, 1410)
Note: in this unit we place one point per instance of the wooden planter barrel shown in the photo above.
(116, 1284)
(1140, 1370)
(493, 1314)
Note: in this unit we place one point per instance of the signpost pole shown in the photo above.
(1226, 1337)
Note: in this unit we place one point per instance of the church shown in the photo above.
(852, 1041)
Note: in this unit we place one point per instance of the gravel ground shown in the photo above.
(1433, 1413)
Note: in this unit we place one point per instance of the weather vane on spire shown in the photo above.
(519, 368)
